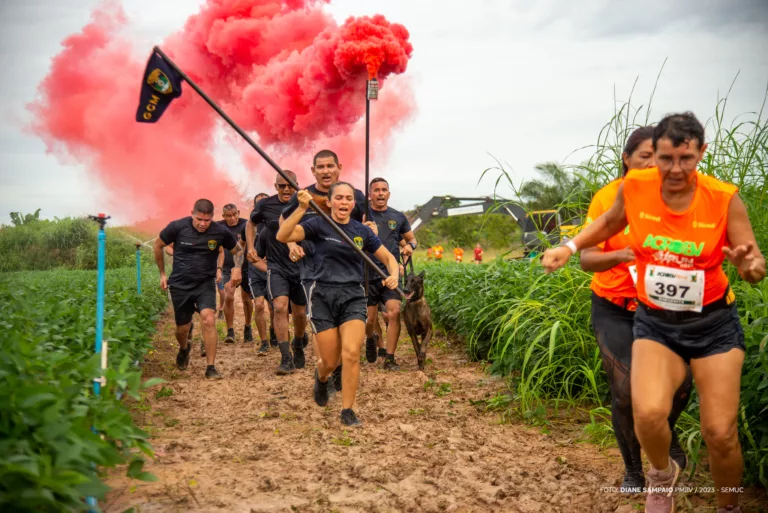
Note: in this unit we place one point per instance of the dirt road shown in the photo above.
(256, 442)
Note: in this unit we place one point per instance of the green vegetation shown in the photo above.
(34, 244)
(535, 328)
(50, 458)
(492, 231)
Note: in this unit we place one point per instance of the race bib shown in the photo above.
(674, 289)
(633, 273)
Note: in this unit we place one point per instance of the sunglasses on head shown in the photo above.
(282, 186)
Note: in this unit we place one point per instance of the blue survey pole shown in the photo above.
(101, 219)
(138, 268)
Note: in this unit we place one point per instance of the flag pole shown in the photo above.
(273, 164)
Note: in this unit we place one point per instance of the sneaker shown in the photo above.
(337, 378)
(382, 352)
(220, 315)
(212, 373)
(182, 358)
(230, 336)
(202, 349)
(677, 453)
(633, 482)
(264, 349)
(304, 340)
(391, 365)
(272, 337)
(320, 391)
(348, 418)
(247, 334)
(286, 360)
(660, 487)
(298, 354)
(371, 348)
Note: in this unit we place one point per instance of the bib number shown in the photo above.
(674, 289)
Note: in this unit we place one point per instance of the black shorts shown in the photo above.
(331, 305)
(188, 301)
(279, 286)
(378, 293)
(257, 285)
(692, 335)
(613, 329)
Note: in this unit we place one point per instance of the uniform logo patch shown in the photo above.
(359, 242)
(212, 245)
(392, 224)
(159, 82)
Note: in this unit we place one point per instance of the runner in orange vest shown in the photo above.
(683, 225)
(614, 301)
(430, 253)
(439, 252)
(458, 254)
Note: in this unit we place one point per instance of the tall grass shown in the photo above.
(535, 328)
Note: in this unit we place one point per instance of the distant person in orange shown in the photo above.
(478, 254)
(458, 254)
(439, 252)
(430, 253)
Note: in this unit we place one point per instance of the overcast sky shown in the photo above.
(527, 82)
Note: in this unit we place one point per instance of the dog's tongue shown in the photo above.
(409, 295)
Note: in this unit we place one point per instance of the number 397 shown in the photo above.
(671, 290)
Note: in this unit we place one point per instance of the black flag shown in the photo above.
(161, 84)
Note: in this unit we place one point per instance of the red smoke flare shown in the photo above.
(282, 70)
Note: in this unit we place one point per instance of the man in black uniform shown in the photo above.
(326, 170)
(235, 224)
(392, 227)
(283, 283)
(257, 278)
(197, 243)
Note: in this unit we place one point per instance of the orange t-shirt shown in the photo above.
(458, 252)
(615, 282)
(676, 251)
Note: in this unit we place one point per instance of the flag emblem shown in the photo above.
(159, 82)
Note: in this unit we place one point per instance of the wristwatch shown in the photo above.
(412, 244)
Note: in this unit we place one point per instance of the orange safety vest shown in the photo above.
(679, 254)
(616, 284)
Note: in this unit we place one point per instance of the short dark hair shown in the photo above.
(679, 128)
(377, 180)
(339, 184)
(229, 206)
(203, 206)
(323, 154)
(635, 139)
(259, 195)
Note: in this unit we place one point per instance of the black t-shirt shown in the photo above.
(194, 253)
(334, 261)
(321, 198)
(238, 231)
(259, 245)
(267, 212)
(392, 225)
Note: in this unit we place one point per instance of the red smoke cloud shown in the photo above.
(285, 71)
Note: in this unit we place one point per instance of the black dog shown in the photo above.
(418, 317)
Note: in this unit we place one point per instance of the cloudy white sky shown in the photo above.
(527, 82)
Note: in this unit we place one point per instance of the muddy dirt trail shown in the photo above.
(255, 442)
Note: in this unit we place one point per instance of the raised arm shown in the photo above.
(290, 231)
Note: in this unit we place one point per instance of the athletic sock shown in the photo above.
(390, 356)
(285, 348)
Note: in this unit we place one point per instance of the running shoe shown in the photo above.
(661, 486)
(264, 349)
(230, 336)
(298, 354)
(304, 339)
(247, 334)
(220, 315)
(391, 365)
(382, 352)
(286, 360)
(633, 482)
(182, 358)
(371, 348)
(348, 418)
(320, 391)
(212, 373)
